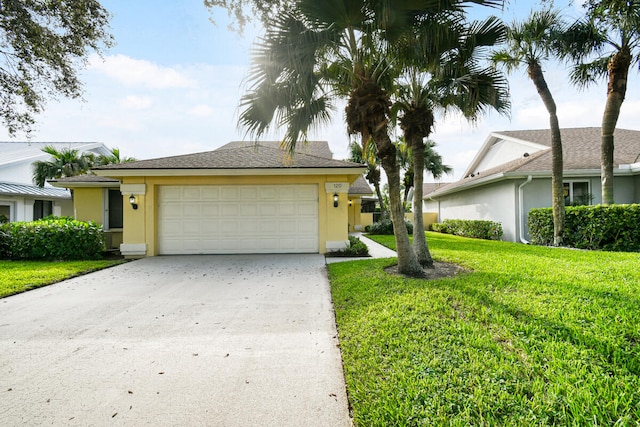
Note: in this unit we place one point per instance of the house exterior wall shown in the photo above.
(141, 225)
(88, 204)
(493, 202)
(355, 216)
(21, 208)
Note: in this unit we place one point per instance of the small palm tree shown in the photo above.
(113, 158)
(529, 44)
(606, 44)
(65, 162)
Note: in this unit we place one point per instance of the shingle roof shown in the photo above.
(85, 178)
(580, 147)
(236, 156)
(313, 148)
(580, 152)
(360, 187)
(10, 189)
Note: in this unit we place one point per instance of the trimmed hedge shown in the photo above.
(475, 228)
(385, 227)
(609, 228)
(52, 239)
(355, 248)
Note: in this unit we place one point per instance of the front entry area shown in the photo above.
(235, 219)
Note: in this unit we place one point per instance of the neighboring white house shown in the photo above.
(20, 198)
(511, 174)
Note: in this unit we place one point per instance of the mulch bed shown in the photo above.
(441, 270)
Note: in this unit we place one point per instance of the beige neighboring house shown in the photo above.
(511, 174)
(244, 197)
(20, 198)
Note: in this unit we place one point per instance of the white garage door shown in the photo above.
(222, 219)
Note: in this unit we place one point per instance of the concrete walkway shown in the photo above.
(176, 341)
(376, 250)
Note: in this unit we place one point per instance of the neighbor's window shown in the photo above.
(42, 208)
(115, 209)
(577, 193)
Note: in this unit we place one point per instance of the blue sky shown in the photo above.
(171, 86)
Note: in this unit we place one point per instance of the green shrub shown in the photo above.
(478, 229)
(54, 238)
(385, 226)
(355, 248)
(5, 242)
(610, 228)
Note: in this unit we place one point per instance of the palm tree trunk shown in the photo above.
(616, 90)
(419, 239)
(407, 261)
(557, 187)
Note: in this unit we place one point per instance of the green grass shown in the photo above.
(20, 276)
(531, 336)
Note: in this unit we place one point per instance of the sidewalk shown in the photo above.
(376, 250)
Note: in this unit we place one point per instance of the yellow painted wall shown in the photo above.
(87, 203)
(366, 218)
(355, 216)
(141, 225)
(427, 217)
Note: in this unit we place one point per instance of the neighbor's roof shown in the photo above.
(17, 152)
(10, 189)
(238, 156)
(580, 152)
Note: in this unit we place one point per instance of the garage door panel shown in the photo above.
(237, 219)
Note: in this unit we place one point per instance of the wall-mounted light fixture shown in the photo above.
(335, 200)
(350, 202)
(133, 202)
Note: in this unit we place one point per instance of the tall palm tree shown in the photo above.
(529, 44)
(317, 52)
(606, 44)
(441, 77)
(373, 170)
(65, 162)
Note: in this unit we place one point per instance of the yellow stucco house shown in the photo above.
(244, 197)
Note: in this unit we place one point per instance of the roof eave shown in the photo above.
(230, 172)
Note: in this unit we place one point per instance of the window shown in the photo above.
(5, 213)
(114, 200)
(42, 208)
(577, 193)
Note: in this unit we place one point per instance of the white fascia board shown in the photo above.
(227, 172)
(466, 186)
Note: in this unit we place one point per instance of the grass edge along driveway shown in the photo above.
(532, 336)
(21, 276)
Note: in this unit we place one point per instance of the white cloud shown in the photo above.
(133, 102)
(201, 110)
(138, 72)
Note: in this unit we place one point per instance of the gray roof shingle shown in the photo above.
(238, 155)
(580, 152)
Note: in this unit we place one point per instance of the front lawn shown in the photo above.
(531, 336)
(20, 276)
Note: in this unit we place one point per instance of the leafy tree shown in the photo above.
(529, 44)
(41, 45)
(65, 162)
(373, 170)
(316, 52)
(605, 44)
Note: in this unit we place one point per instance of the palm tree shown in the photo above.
(65, 162)
(443, 77)
(113, 158)
(529, 44)
(606, 43)
(316, 52)
(373, 170)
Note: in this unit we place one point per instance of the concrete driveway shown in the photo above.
(182, 341)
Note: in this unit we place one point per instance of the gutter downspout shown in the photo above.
(521, 209)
